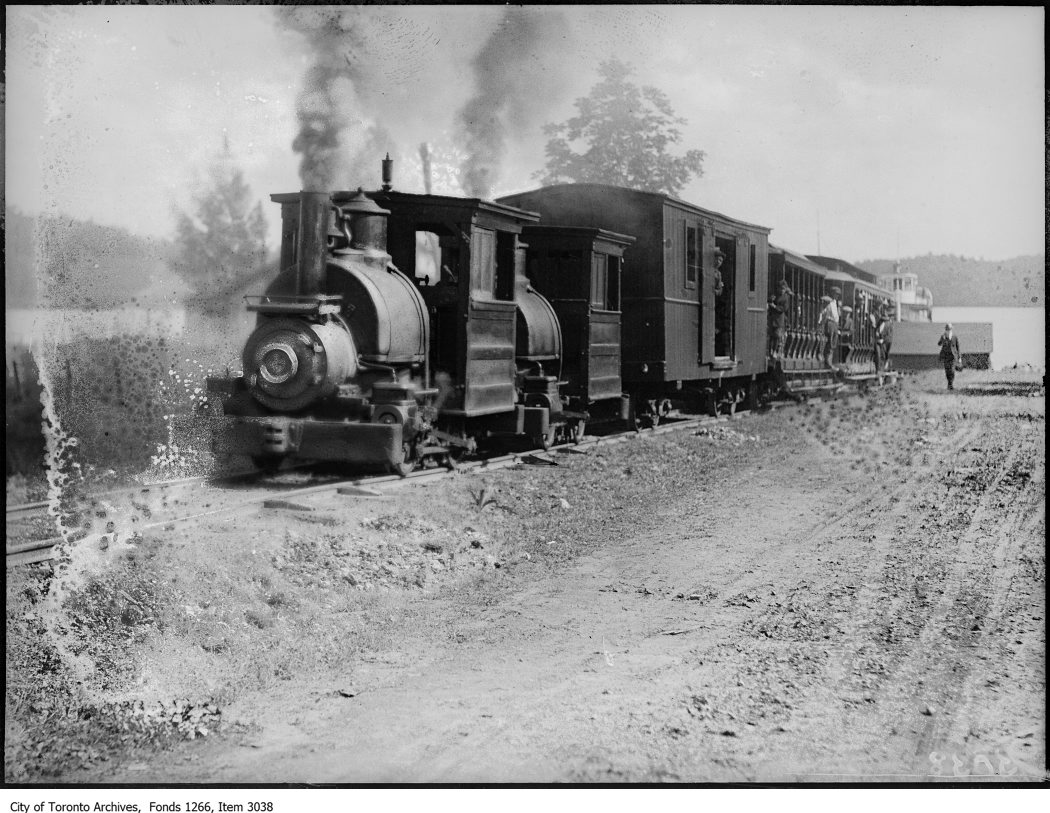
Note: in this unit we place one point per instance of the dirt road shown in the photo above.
(806, 602)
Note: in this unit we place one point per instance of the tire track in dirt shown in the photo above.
(961, 590)
(905, 647)
(813, 630)
(595, 669)
(1008, 534)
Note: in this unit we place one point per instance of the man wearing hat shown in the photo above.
(886, 333)
(950, 356)
(829, 325)
(721, 315)
(719, 259)
(779, 306)
(846, 333)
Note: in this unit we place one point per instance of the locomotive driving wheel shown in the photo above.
(266, 464)
(408, 461)
(546, 440)
(577, 432)
(452, 457)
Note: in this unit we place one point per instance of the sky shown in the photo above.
(877, 131)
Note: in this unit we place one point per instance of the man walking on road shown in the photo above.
(950, 355)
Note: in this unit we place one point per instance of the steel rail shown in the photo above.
(33, 551)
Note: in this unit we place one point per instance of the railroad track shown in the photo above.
(30, 509)
(39, 550)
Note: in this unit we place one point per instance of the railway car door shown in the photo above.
(725, 300)
(695, 278)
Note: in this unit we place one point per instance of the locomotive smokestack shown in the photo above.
(388, 173)
(313, 242)
(424, 154)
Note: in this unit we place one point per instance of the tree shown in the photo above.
(223, 245)
(626, 130)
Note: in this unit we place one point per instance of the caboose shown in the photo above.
(693, 297)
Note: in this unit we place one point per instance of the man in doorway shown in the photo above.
(846, 333)
(829, 326)
(779, 306)
(721, 320)
(886, 334)
(719, 259)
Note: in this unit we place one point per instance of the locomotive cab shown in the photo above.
(497, 344)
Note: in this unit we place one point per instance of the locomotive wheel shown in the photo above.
(452, 458)
(579, 429)
(408, 463)
(267, 465)
(546, 440)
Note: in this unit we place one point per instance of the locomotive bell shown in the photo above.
(367, 222)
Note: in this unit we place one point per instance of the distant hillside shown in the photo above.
(65, 262)
(965, 282)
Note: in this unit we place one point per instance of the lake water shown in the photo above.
(1018, 334)
(21, 325)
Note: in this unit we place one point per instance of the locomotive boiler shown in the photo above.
(336, 367)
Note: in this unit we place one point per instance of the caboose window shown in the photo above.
(483, 264)
(692, 254)
(751, 270)
(428, 258)
(612, 300)
(600, 281)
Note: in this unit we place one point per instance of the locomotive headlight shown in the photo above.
(292, 363)
(279, 363)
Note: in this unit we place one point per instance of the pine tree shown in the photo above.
(626, 131)
(223, 244)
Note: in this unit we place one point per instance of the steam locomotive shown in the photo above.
(406, 328)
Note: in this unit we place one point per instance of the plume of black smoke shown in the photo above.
(338, 142)
(518, 73)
